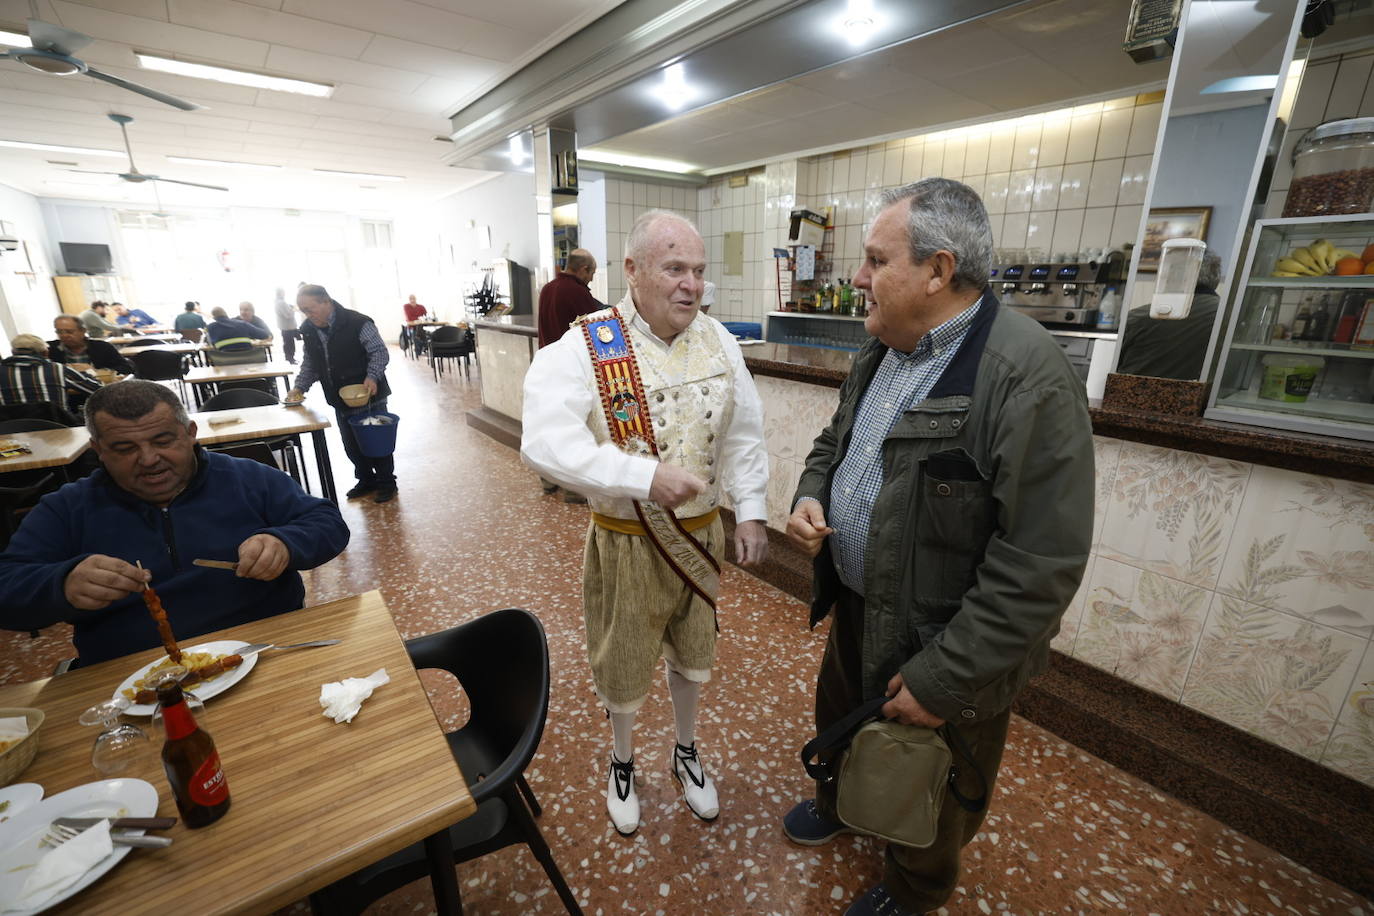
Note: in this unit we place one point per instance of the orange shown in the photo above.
(1349, 267)
(1369, 268)
(1368, 254)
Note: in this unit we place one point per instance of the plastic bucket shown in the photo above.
(375, 441)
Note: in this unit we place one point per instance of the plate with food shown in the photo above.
(213, 668)
(18, 797)
(21, 836)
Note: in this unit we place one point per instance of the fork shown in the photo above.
(57, 835)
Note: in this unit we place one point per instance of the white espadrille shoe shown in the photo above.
(697, 788)
(622, 802)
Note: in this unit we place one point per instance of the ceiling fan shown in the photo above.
(134, 174)
(53, 47)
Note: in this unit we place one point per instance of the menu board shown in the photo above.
(1151, 29)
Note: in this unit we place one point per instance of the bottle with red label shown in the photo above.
(191, 762)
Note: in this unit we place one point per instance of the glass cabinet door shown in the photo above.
(1300, 352)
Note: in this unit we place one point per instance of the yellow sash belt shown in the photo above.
(633, 526)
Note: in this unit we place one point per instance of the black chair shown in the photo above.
(145, 342)
(285, 446)
(501, 660)
(39, 410)
(161, 366)
(191, 335)
(235, 398)
(16, 500)
(259, 451)
(28, 426)
(450, 343)
(244, 356)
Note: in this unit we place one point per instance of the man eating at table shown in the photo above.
(161, 500)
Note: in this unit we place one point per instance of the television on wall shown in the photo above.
(84, 258)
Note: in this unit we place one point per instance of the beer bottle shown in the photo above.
(191, 762)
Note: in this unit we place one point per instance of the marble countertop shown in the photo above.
(510, 324)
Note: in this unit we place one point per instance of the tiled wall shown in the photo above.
(1242, 591)
(625, 200)
(1056, 182)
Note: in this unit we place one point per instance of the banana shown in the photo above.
(1321, 250)
(1305, 257)
(1297, 268)
(1285, 273)
(1338, 254)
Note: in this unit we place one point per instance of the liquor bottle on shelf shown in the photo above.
(846, 297)
(1319, 327)
(1301, 321)
(1349, 314)
(834, 290)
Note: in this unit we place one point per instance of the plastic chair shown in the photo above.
(501, 660)
(450, 343)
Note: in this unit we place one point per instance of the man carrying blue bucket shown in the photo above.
(342, 347)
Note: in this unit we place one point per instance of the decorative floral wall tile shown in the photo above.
(1274, 675)
(1351, 750)
(1172, 512)
(1141, 626)
(782, 486)
(1305, 545)
(1069, 623)
(1106, 454)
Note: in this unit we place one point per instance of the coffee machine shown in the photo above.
(1061, 293)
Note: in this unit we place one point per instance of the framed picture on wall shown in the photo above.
(1167, 223)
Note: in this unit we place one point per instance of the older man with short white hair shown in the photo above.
(648, 409)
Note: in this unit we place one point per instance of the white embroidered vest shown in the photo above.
(690, 389)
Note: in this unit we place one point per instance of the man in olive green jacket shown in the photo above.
(957, 474)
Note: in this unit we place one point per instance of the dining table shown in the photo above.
(242, 424)
(48, 448)
(212, 376)
(312, 800)
(125, 339)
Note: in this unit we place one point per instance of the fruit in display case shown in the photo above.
(1321, 259)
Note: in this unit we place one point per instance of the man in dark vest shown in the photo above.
(342, 347)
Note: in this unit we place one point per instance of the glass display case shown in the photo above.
(1299, 351)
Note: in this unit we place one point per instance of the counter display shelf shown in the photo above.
(816, 329)
(1299, 350)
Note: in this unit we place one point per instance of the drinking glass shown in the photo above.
(120, 747)
(176, 673)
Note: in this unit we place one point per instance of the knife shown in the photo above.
(264, 646)
(215, 564)
(129, 823)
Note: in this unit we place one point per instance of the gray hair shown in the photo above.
(637, 242)
(132, 399)
(1209, 274)
(314, 291)
(948, 215)
(76, 322)
(218, 312)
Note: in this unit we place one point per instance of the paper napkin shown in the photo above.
(342, 699)
(63, 867)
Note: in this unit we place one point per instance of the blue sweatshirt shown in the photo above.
(228, 500)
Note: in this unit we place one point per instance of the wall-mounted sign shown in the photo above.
(1152, 29)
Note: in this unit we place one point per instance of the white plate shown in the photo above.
(17, 797)
(21, 834)
(205, 689)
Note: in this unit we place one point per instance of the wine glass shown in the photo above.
(175, 674)
(120, 747)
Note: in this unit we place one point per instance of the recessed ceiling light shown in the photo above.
(220, 163)
(674, 91)
(859, 22)
(637, 162)
(237, 77)
(368, 175)
(14, 39)
(79, 150)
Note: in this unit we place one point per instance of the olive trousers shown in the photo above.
(919, 879)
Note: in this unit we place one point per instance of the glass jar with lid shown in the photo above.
(1333, 170)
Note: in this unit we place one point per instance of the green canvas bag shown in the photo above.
(891, 779)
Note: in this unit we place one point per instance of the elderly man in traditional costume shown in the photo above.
(647, 409)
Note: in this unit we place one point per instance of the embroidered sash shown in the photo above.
(627, 417)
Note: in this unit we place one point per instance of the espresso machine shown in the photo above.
(1060, 294)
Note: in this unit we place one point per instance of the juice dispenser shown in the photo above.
(1179, 262)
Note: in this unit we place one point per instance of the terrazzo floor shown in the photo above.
(472, 532)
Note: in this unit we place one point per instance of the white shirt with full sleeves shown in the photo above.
(561, 401)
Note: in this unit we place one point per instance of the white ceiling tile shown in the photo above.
(234, 18)
(405, 19)
(312, 66)
(409, 55)
(163, 37)
(362, 95)
(151, 9)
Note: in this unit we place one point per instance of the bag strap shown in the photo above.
(956, 741)
(838, 736)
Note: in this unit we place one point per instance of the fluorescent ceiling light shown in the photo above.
(635, 162)
(80, 150)
(1243, 84)
(224, 163)
(859, 22)
(237, 77)
(368, 175)
(674, 91)
(15, 39)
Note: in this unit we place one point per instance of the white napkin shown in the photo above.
(12, 727)
(342, 699)
(63, 867)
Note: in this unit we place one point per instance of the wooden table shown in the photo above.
(268, 421)
(51, 448)
(313, 801)
(130, 338)
(213, 375)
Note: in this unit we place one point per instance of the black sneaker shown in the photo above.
(806, 825)
(385, 495)
(361, 489)
(878, 902)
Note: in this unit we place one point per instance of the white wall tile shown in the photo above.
(1097, 227)
(1040, 232)
(1351, 78)
(1144, 125)
(892, 167)
(1310, 108)
(1068, 228)
(995, 193)
(1073, 185)
(955, 148)
(933, 161)
(1026, 150)
(858, 170)
(1105, 184)
(873, 176)
(1013, 230)
(1125, 226)
(1114, 133)
(911, 163)
(976, 154)
(1082, 145)
(1054, 141)
(1046, 194)
(1135, 176)
(1020, 190)
(1000, 144)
